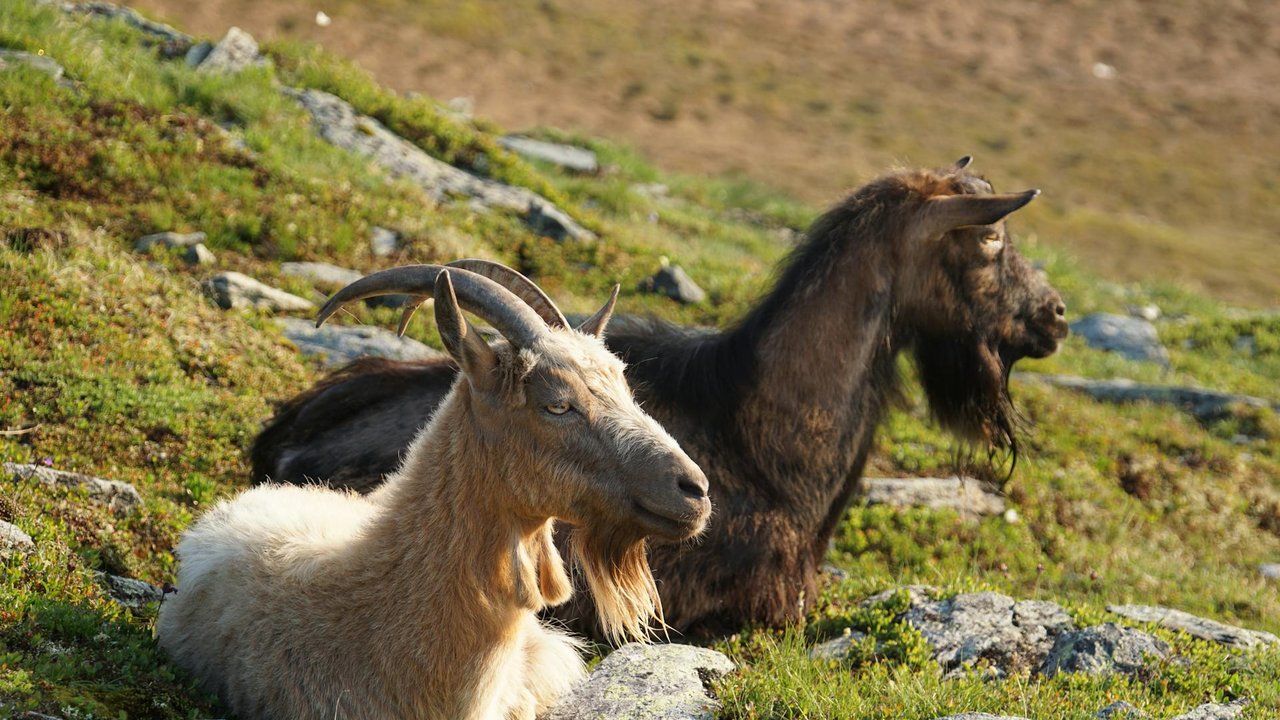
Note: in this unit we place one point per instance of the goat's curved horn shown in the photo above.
(498, 306)
(963, 162)
(948, 212)
(523, 287)
(594, 325)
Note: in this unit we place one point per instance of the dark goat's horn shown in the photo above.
(514, 319)
(523, 287)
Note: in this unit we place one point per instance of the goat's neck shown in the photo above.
(449, 543)
(824, 349)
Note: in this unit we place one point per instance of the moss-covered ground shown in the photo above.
(113, 363)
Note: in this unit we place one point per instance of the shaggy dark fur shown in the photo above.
(779, 411)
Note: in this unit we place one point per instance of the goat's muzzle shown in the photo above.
(675, 504)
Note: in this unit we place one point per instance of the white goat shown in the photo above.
(421, 599)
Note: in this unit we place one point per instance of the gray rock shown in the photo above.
(981, 716)
(1196, 627)
(320, 274)
(1149, 312)
(1102, 649)
(1204, 404)
(916, 595)
(168, 239)
(133, 594)
(1120, 710)
(198, 53)
(989, 626)
(1216, 711)
(236, 51)
(14, 540)
(653, 191)
(647, 682)
(200, 255)
(566, 156)
(339, 124)
(236, 290)
(339, 344)
(172, 42)
(195, 252)
(1133, 338)
(120, 497)
(1270, 571)
(675, 283)
(384, 242)
(10, 59)
(835, 573)
(964, 495)
(836, 648)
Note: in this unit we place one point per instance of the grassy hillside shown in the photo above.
(1150, 127)
(113, 363)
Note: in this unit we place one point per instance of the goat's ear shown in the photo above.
(595, 324)
(948, 212)
(963, 162)
(460, 338)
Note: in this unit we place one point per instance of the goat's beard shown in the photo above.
(967, 383)
(616, 567)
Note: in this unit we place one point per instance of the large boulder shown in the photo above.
(1196, 627)
(647, 682)
(120, 497)
(1131, 337)
(237, 290)
(1103, 649)
(991, 627)
(964, 495)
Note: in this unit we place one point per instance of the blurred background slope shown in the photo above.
(1150, 126)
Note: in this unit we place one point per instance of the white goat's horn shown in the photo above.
(498, 306)
(523, 287)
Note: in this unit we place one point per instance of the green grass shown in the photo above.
(123, 369)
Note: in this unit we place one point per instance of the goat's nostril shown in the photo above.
(695, 488)
(1061, 310)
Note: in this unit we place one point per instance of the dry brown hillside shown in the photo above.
(1150, 126)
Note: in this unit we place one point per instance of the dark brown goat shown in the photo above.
(779, 411)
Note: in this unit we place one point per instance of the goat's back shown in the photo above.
(352, 428)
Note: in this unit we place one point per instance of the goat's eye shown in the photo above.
(559, 408)
(991, 237)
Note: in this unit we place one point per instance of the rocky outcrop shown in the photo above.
(1204, 404)
(991, 627)
(569, 157)
(1105, 648)
(339, 124)
(172, 43)
(1131, 337)
(120, 497)
(340, 344)
(964, 495)
(235, 290)
(647, 682)
(1196, 627)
